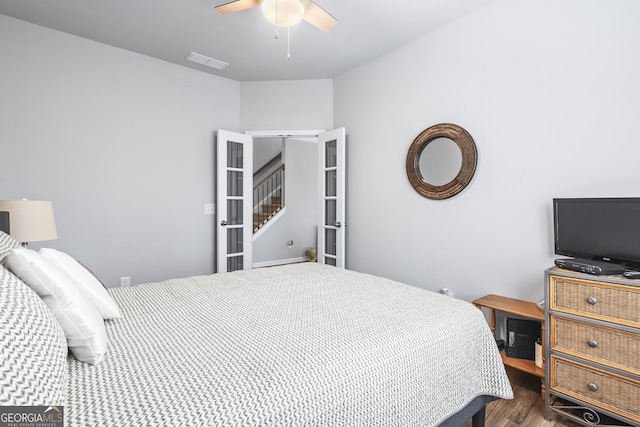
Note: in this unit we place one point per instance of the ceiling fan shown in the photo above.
(285, 13)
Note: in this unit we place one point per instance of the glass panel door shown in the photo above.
(234, 172)
(331, 232)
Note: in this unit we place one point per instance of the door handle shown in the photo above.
(223, 223)
(337, 224)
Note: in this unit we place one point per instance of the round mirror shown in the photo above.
(441, 161)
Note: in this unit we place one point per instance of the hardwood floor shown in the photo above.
(526, 409)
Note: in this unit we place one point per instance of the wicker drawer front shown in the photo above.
(616, 394)
(613, 303)
(607, 346)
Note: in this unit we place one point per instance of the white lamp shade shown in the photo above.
(30, 220)
(283, 13)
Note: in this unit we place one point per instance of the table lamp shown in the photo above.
(29, 220)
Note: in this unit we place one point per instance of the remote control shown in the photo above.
(631, 274)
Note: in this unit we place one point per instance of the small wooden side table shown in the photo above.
(521, 308)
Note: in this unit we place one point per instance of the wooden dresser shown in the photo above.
(592, 348)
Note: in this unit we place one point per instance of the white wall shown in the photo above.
(290, 105)
(549, 91)
(287, 105)
(121, 143)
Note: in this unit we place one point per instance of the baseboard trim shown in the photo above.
(279, 262)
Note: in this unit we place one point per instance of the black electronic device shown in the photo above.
(598, 229)
(521, 338)
(4, 222)
(590, 266)
(631, 274)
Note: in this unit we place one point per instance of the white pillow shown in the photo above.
(81, 322)
(85, 281)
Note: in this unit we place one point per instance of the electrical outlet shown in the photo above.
(447, 292)
(209, 209)
(125, 282)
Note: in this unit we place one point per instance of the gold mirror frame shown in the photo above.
(469, 161)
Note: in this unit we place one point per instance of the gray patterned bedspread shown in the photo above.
(297, 345)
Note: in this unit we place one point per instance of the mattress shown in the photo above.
(302, 344)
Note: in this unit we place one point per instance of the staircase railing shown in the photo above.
(274, 161)
(268, 198)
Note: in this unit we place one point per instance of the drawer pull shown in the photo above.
(592, 300)
(593, 343)
(593, 387)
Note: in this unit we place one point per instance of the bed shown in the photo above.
(301, 344)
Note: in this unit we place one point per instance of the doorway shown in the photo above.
(234, 196)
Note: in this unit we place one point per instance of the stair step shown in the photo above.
(261, 216)
(270, 209)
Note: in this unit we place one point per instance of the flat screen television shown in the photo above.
(601, 229)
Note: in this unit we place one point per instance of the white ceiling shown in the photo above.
(170, 29)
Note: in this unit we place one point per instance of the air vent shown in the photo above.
(206, 61)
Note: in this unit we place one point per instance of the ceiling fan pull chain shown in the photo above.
(288, 43)
(276, 24)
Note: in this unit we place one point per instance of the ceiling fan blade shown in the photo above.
(317, 16)
(238, 5)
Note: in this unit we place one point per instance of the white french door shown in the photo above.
(331, 215)
(234, 201)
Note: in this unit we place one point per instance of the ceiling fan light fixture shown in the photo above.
(283, 13)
